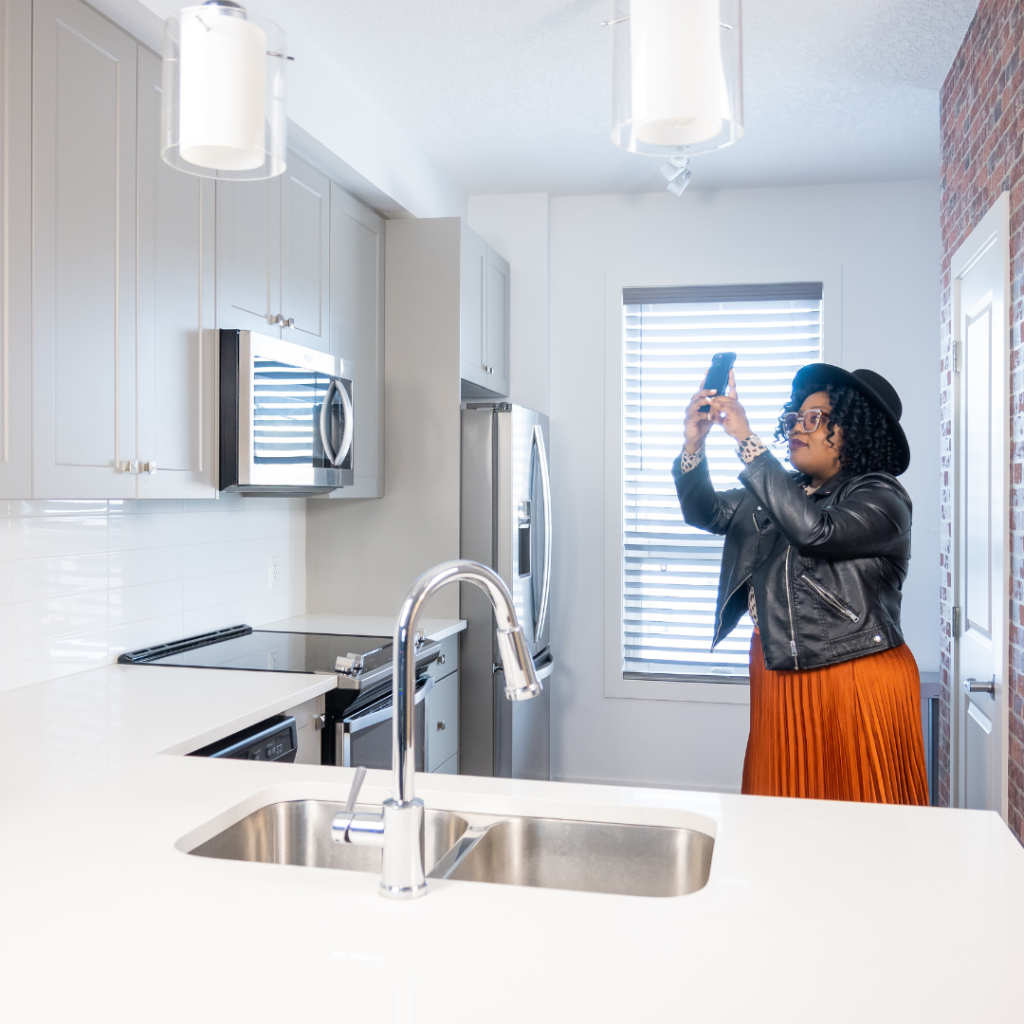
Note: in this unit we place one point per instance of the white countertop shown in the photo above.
(363, 625)
(816, 912)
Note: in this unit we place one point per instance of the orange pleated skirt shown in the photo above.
(850, 731)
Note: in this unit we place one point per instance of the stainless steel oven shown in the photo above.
(286, 417)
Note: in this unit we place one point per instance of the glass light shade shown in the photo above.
(677, 75)
(223, 104)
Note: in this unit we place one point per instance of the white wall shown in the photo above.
(517, 227)
(886, 238)
(83, 581)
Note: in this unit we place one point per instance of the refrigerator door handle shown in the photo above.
(541, 615)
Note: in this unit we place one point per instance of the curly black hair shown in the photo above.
(868, 442)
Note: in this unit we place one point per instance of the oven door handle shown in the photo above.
(336, 459)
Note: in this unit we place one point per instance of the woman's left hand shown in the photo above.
(726, 410)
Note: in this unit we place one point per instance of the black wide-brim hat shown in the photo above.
(873, 386)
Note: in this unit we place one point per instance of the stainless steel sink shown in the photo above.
(299, 832)
(552, 853)
(632, 860)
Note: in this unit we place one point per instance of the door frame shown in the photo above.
(993, 230)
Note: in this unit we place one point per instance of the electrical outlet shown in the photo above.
(272, 573)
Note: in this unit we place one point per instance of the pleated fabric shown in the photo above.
(850, 731)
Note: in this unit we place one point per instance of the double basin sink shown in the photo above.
(551, 853)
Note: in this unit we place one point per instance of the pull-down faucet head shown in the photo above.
(399, 828)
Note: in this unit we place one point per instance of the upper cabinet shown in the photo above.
(357, 331)
(273, 255)
(483, 317)
(176, 344)
(15, 249)
(120, 271)
(83, 254)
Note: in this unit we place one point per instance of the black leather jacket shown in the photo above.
(827, 569)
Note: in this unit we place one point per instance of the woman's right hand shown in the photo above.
(697, 423)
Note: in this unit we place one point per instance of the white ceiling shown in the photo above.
(513, 95)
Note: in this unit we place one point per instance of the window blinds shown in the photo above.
(670, 571)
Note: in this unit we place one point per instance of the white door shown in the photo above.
(980, 272)
(177, 366)
(305, 255)
(83, 197)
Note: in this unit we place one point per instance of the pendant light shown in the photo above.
(677, 75)
(223, 105)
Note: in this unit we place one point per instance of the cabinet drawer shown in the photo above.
(442, 722)
(448, 661)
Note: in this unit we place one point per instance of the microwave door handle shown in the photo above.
(346, 438)
(545, 483)
(325, 422)
(335, 459)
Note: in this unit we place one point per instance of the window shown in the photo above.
(670, 570)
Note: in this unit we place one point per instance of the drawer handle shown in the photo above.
(440, 659)
(440, 726)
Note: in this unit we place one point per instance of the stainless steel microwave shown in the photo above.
(286, 417)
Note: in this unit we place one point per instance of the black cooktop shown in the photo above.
(262, 650)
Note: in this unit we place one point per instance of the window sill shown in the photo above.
(691, 689)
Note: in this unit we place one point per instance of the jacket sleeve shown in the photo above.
(872, 520)
(702, 505)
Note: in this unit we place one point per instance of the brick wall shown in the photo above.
(981, 121)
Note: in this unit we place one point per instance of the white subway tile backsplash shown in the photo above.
(212, 559)
(83, 581)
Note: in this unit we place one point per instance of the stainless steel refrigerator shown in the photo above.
(506, 524)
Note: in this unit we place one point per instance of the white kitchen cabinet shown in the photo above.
(83, 256)
(357, 331)
(483, 317)
(496, 321)
(176, 341)
(305, 255)
(273, 255)
(16, 249)
(472, 317)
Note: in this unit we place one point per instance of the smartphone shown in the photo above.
(718, 374)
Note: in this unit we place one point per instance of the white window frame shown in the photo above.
(830, 275)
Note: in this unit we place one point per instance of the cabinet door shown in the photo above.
(496, 339)
(84, 104)
(16, 250)
(441, 722)
(248, 255)
(175, 290)
(305, 255)
(472, 335)
(357, 332)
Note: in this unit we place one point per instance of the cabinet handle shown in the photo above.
(274, 318)
(440, 726)
(128, 467)
(150, 467)
(290, 322)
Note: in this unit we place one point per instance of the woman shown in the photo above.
(818, 557)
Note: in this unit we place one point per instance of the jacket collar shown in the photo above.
(833, 483)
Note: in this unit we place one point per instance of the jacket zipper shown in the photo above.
(718, 619)
(831, 599)
(789, 603)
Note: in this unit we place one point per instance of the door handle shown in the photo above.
(975, 686)
(545, 485)
(336, 459)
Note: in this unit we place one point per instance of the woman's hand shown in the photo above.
(726, 409)
(697, 423)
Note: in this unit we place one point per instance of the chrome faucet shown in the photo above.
(398, 828)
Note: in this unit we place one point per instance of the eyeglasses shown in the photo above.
(808, 420)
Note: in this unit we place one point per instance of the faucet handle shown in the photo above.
(353, 792)
(351, 827)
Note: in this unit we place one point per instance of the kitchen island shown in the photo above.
(813, 911)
